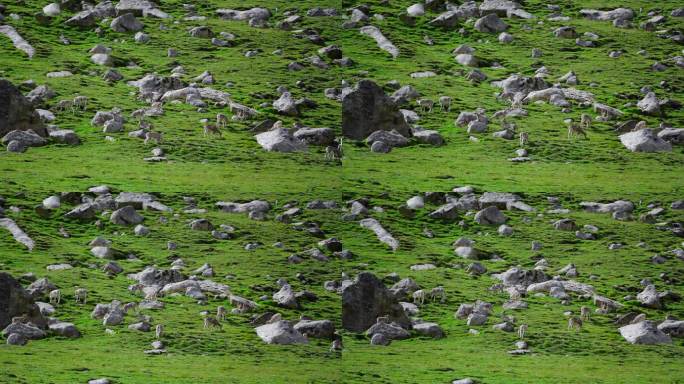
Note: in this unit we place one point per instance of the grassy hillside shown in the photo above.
(235, 168)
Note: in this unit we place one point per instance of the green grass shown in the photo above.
(235, 168)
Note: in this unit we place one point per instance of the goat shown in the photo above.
(426, 105)
(333, 153)
(438, 292)
(524, 138)
(445, 103)
(575, 129)
(156, 136)
(221, 120)
(159, 331)
(55, 296)
(211, 322)
(63, 105)
(139, 114)
(80, 102)
(81, 295)
(521, 331)
(221, 313)
(336, 345)
(575, 323)
(210, 128)
(585, 121)
(584, 313)
(419, 297)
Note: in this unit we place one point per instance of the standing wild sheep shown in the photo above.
(221, 120)
(575, 129)
(210, 322)
(81, 295)
(522, 329)
(221, 313)
(445, 103)
(419, 297)
(585, 121)
(80, 102)
(210, 128)
(153, 136)
(438, 292)
(426, 105)
(55, 296)
(159, 331)
(584, 313)
(575, 323)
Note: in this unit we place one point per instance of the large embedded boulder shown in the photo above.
(645, 332)
(366, 299)
(16, 112)
(644, 140)
(367, 109)
(16, 301)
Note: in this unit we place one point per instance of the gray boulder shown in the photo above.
(315, 136)
(429, 329)
(286, 105)
(391, 138)
(280, 140)
(367, 109)
(644, 140)
(490, 216)
(280, 332)
(126, 23)
(320, 329)
(65, 329)
(644, 332)
(17, 112)
(126, 216)
(285, 297)
(490, 24)
(16, 301)
(26, 138)
(366, 299)
(65, 136)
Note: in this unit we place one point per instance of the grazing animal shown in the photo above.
(584, 313)
(524, 138)
(81, 295)
(153, 136)
(221, 313)
(438, 292)
(333, 153)
(210, 128)
(575, 129)
(221, 120)
(80, 102)
(159, 331)
(521, 331)
(426, 105)
(55, 296)
(419, 297)
(210, 322)
(146, 125)
(336, 345)
(585, 121)
(63, 105)
(575, 322)
(445, 103)
(139, 114)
